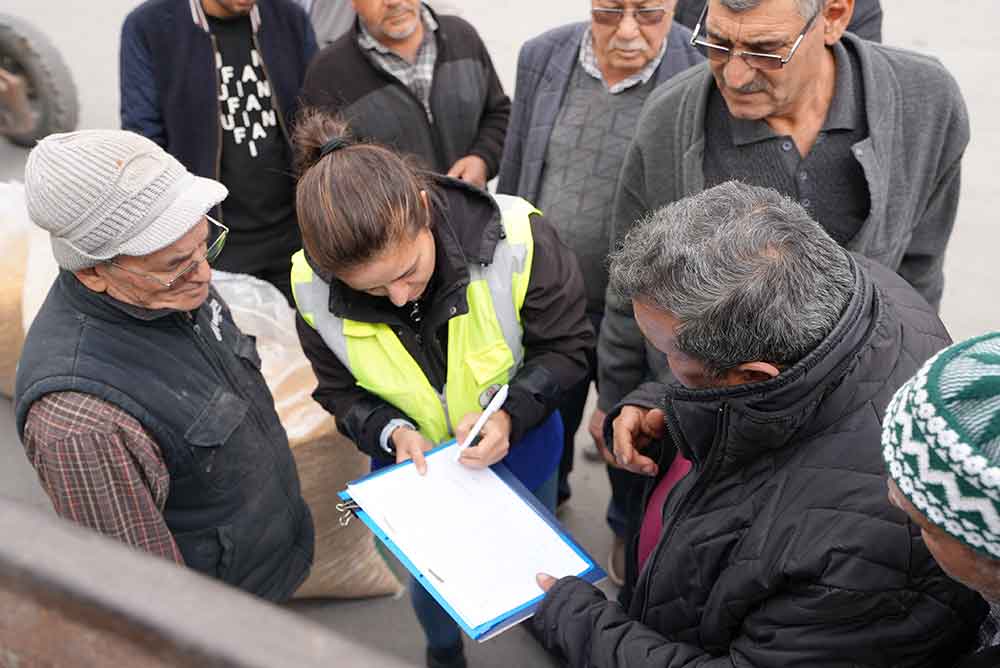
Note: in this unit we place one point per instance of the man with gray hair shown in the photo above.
(767, 538)
(139, 402)
(867, 138)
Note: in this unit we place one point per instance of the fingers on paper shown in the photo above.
(545, 581)
(491, 448)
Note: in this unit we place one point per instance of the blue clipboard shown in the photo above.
(593, 573)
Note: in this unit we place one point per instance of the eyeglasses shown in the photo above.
(754, 59)
(612, 16)
(217, 229)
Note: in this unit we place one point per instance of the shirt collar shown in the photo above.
(840, 115)
(368, 42)
(588, 61)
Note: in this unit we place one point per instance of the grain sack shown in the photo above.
(346, 563)
(14, 251)
(29, 270)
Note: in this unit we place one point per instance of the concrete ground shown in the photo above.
(384, 630)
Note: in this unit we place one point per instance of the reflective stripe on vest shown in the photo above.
(484, 344)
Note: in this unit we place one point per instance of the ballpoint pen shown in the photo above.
(495, 403)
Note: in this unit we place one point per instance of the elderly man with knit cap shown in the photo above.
(941, 438)
(139, 402)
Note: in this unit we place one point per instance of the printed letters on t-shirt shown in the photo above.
(246, 111)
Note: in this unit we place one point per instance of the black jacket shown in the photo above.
(780, 548)
(169, 85)
(466, 229)
(193, 382)
(469, 106)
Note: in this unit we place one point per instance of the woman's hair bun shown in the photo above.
(313, 130)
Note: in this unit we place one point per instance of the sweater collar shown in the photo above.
(748, 421)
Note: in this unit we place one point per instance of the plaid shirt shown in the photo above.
(588, 61)
(417, 76)
(101, 469)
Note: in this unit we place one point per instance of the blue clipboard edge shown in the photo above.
(593, 573)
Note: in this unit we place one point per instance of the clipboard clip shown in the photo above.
(347, 510)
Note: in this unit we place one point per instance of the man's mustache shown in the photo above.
(755, 86)
(402, 11)
(636, 45)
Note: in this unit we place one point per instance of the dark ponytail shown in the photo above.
(353, 200)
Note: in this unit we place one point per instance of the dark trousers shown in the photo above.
(625, 486)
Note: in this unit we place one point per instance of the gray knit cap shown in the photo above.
(104, 193)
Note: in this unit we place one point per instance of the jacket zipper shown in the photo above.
(431, 124)
(218, 118)
(693, 494)
(442, 395)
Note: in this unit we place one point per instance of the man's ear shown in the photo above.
(835, 17)
(751, 372)
(92, 278)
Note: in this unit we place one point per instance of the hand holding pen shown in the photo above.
(485, 437)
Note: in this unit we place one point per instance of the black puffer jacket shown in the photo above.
(780, 547)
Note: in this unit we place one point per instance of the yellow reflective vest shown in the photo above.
(484, 344)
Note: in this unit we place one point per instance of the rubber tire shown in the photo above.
(54, 94)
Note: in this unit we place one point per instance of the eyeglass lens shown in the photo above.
(645, 16)
(758, 61)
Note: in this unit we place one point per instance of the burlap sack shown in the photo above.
(14, 251)
(29, 270)
(346, 564)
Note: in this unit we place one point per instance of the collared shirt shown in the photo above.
(828, 182)
(588, 60)
(417, 76)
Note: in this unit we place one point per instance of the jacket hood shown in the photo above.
(749, 420)
(466, 228)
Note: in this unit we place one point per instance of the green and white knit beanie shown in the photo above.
(941, 441)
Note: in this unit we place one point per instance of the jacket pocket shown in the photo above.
(209, 551)
(246, 349)
(491, 364)
(217, 462)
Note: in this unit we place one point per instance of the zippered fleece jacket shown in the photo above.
(169, 86)
(469, 107)
(918, 131)
(780, 547)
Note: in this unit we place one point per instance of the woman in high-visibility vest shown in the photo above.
(418, 297)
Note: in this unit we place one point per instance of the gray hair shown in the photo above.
(807, 8)
(746, 272)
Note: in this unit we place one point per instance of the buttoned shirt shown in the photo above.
(828, 182)
(588, 60)
(417, 76)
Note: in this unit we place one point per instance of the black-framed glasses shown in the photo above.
(754, 59)
(217, 231)
(644, 16)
